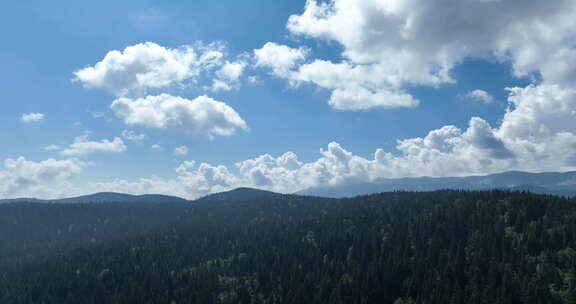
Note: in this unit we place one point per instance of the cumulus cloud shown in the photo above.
(280, 58)
(202, 115)
(181, 151)
(420, 41)
(149, 66)
(541, 125)
(205, 178)
(388, 46)
(31, 117)
(354, 87)
(144, 66)
(228, 76)
(82, 145)
(48, 178)
(478, 96)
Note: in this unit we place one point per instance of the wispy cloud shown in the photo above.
(31, 117)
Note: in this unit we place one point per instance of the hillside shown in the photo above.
(402, 247)
(238, 195)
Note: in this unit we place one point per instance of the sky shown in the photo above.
(189, 98)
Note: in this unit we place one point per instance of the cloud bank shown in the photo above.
(48, 178)
(388, 46)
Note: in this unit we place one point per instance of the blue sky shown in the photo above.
(288, 95)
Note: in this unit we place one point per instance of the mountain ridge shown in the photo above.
(556, 183)
(102, 197)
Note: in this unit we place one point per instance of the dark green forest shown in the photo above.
(439, 247)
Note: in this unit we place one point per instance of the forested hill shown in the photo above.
(399, 247)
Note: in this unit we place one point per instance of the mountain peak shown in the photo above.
(238, 194)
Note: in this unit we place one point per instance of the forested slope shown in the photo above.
(402, 247)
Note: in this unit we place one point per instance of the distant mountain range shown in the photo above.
(543, 183)
(563, 184)
(104, 197)
(236, 195)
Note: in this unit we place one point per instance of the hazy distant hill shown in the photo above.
(238, 195)
(104, 197)
(544, 183)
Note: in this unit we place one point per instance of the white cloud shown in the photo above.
(32, 117)
(157, 147)
(254, 79)
(149, 66)
(202, 115)
(228, 77)
(82, 146)
(541, 127)
(205, 178)
(133, 136)
(181, 151)
(52, 148)
(479, 96)
(354, 87)
(388, 46)
(539, 111)
(48, 178)
(280, 58)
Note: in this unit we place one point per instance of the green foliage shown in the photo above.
(401, 247)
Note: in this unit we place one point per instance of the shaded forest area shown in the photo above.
(400, 247)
